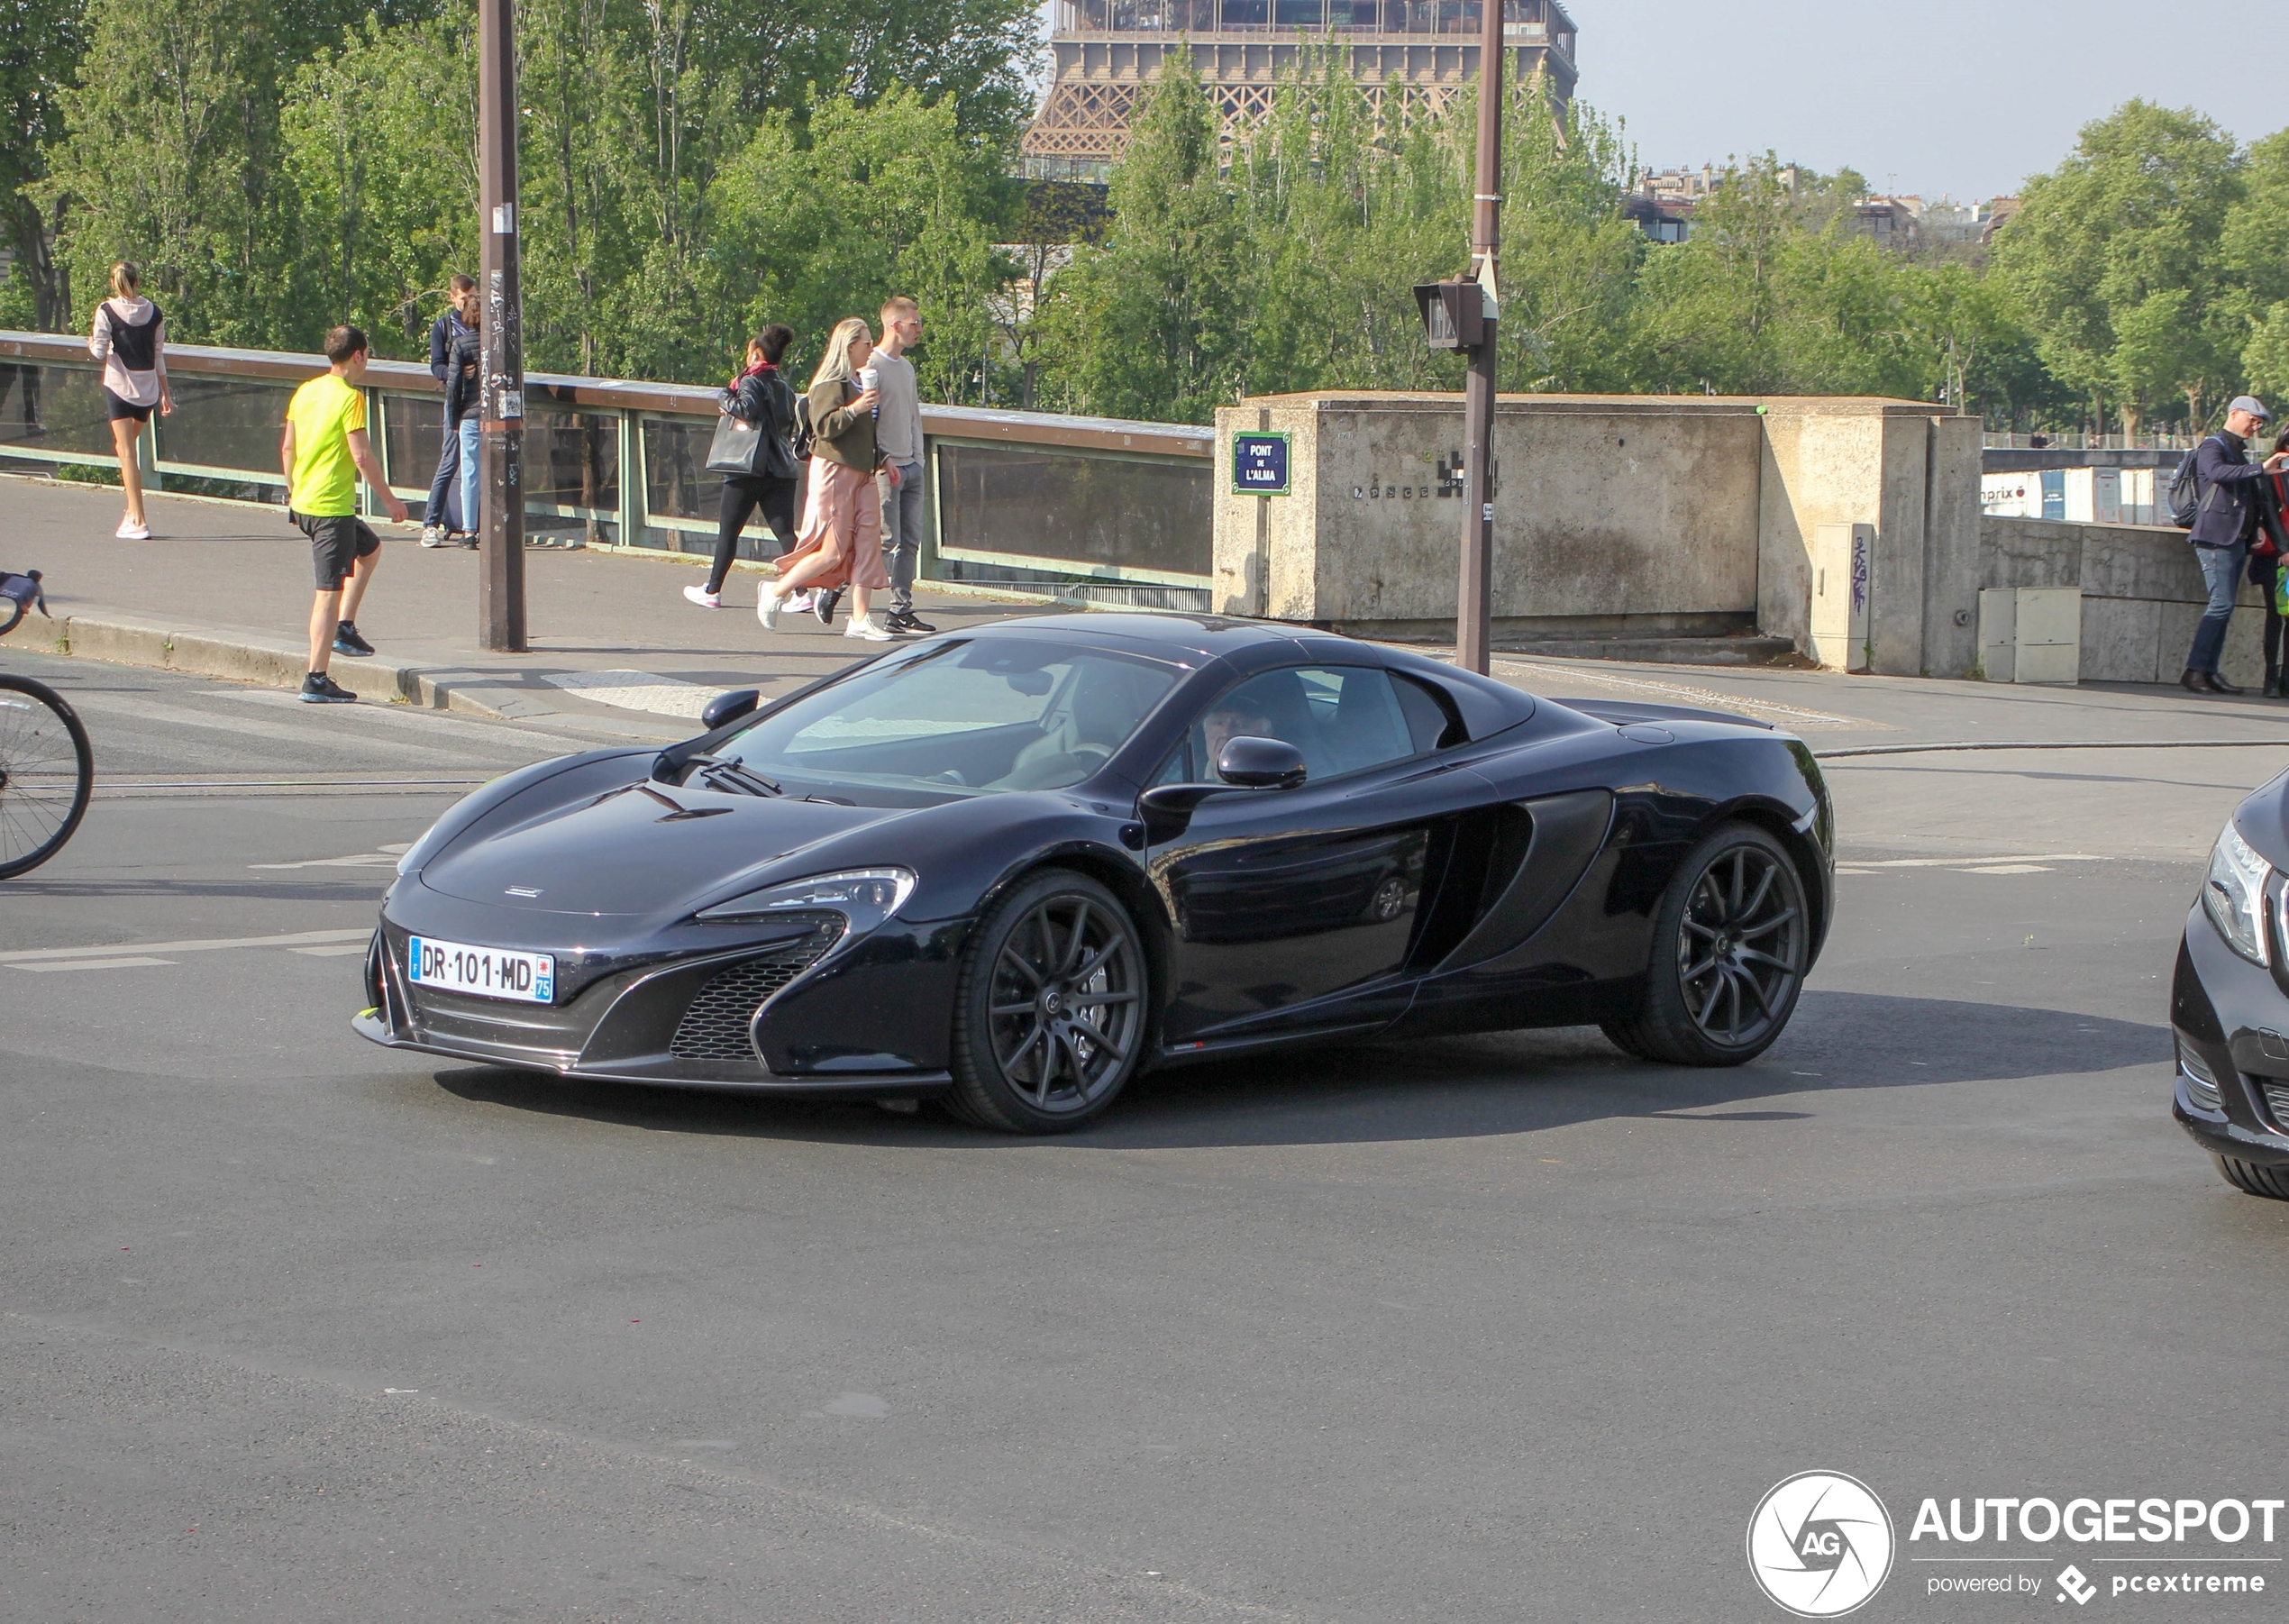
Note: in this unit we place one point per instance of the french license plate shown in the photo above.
(487, 971)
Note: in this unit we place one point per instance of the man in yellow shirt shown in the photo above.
(324, 451)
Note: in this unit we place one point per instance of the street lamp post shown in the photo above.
(500, 577)
(1474, 616)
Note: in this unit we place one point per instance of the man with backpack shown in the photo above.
(2225, 493)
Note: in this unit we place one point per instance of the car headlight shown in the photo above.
(2234, 893)
(865, 897)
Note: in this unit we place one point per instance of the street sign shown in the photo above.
(1259, 465)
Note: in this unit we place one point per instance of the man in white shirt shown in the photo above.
(898, 430)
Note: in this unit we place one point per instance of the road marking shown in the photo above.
(2010, 868)
(1868, 864)
(380, 856)
(339, 951)
(95, 964)
(636, 690)
(32, 958)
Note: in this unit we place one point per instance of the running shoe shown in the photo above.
(866, 629)
(317, 688)
(433, 535)
(348, 640)
(823, 606)
(907, 624)
(766, 608)
(130, 531)
(704, 598)
(797, 602)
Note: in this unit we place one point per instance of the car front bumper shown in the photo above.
(2233, 1017)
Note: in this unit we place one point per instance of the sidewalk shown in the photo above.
(224, 590)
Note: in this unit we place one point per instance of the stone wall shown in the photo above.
(2142, 593)
(1614, 515)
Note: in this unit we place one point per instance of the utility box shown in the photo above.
(1841, 559)
(2031, 634)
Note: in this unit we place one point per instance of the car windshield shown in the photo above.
(983, 715)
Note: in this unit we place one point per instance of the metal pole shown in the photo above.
(500, 574)
(1473, 617)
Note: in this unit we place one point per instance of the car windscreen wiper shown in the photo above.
(728, 777)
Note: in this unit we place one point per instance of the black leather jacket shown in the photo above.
(763, 398)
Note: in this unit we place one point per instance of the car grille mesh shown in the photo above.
(715, 1027)
(2277, 1102)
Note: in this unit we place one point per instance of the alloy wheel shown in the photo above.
(1740, 950)
(1066, 1004)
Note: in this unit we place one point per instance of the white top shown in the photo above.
(898, 422)
(139, 387)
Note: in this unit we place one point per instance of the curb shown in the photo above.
(279, 665)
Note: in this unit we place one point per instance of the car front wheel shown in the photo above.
(1049, 1019)
(1731, 939)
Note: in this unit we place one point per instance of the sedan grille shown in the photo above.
(716, 1025)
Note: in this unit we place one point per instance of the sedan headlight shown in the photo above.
(865, 897)
(2235, 895)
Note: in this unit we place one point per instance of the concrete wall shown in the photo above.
(2142, 593)
(1614, 515)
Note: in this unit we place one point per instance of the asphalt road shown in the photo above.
(295, 1329)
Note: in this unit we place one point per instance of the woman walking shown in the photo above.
(128, 338)
(842, 538)
(758, 396)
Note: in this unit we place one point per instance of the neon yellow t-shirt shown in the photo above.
(324, 412)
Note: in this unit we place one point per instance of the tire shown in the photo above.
(1050, 1010)
(47, 773)
(2251, 1179)
(1731, 940)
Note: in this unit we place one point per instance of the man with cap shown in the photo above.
(2233, 491)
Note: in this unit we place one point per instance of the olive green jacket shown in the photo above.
(839, 434)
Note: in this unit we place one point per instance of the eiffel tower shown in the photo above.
(1414, 56)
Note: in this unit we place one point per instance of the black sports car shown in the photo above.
(2229, 1003)
(1009, 867)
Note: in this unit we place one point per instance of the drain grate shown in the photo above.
(715, 1027)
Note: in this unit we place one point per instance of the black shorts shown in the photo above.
(337, 542)
(126, 408)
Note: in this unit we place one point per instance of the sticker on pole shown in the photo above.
(1259, 465)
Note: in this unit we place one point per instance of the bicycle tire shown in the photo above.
(11, 613)
(42, 795)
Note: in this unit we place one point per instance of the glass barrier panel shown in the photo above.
(1089, 511)
(572, 460)
(54, 409)
(416, 435)
(677, 485)
(224, 423)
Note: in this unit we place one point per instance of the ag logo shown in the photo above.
(1820, 1544)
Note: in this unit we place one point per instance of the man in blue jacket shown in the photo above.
(456, 354)
(2233, 493)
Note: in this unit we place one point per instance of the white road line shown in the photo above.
(1969, 860)
(95, 964)
(341, 950)
(636, 690)
(380, 856)
(432, 722)
(31, 957)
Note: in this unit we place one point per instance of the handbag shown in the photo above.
(733, 450)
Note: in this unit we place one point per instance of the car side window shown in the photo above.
(1431, 720)
(1343, 718)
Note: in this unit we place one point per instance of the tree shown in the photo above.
(41, 43)
(2136, 213)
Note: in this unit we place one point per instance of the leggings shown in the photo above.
(743, 494)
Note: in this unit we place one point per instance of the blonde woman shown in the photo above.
(842, 535)
(128, 338)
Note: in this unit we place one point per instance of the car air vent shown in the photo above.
(2201, 1085)
(715, 1027)
(2277, 1102)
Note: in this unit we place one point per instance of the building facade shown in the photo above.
(1411, 56)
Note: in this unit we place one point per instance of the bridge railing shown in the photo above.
(1087, 507)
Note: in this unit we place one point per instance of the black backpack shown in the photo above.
(802, 437)
(2185, 491)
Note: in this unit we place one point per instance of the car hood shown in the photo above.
(632, 850)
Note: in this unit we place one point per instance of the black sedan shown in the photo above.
(1007, 868)
(2230, 1000)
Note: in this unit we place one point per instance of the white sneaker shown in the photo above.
(433, 535)
(798, 602)
(767, 609)
(130, 531)
(704, 598)
(867, 629)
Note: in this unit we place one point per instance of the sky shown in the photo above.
(1935, 96)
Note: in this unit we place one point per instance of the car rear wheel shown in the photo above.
(1731, 939)
(2249, 1177)
(1049, 1019)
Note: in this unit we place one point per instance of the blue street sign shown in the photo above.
(1259, 465)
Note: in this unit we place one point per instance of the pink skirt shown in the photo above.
(841, 518)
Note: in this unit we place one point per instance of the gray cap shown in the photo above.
(2251, 405)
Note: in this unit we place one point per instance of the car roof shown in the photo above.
(1187, 638)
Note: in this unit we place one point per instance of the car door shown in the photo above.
(1294, 909)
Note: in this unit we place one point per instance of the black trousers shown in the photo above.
(743, 494)
(2262, 571)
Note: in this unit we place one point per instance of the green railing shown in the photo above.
(1085, 507)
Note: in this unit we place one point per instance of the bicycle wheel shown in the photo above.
(47, 773)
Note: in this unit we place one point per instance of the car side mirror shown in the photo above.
(729, 707)
(1260, 763)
